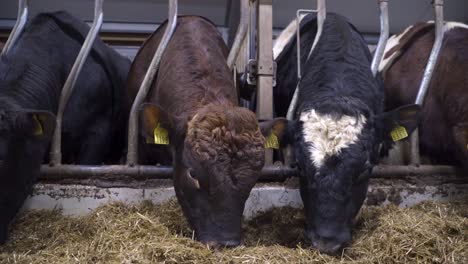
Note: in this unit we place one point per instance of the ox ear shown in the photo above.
(274, 131)
(154, 124)
(400, 123)
(42, 123)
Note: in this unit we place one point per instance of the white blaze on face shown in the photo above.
(327, 136)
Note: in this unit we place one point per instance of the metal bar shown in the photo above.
(427, 77)
(56, 152)
(392, 171)
(384, 33)
(137, 172)
(268, 173)
(253, 30)
(265, 65)
(241, 33)
(321, 16)
(19, 26)
(132, 154)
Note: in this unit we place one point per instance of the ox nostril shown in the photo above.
(231, 243)
(221, 244)
(326, 245)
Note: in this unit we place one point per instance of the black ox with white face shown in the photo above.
(339, 129)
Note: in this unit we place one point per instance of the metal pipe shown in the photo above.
(132, 154)
(19, 26)
(56, 149)
(321, 16)
(253, 31)
(137, 172)
(392, 171)
(384, 33)
(428, 72)
(268, 173)
(240, 34)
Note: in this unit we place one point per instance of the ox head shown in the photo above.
(335, 154)
(217, 161)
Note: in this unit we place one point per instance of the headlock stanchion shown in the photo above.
(240, 34)
(384, 33)
(426, 80)
(321, 16)
(19, 26)
(263, 31)
(132, 155)
(56, 153)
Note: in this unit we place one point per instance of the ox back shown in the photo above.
(444, 127)
(217, 147)
(32, 75)
(338, 128)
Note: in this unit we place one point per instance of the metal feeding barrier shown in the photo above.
(427, 77)
(19, 26)
(260, 13)
(56, 170)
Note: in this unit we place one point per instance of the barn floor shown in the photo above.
(117, 233)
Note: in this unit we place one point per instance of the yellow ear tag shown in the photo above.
(38, 130)
(398, 133)
(161, 136)
(271, 141)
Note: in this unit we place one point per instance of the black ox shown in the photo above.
(339, 125)
(32, 75)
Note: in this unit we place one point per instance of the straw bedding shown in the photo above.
(147, 233)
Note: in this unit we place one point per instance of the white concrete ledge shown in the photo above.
(81, 199)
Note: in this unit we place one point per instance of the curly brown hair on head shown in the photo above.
(219, 133)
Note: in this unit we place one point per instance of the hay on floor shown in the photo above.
(147, 233)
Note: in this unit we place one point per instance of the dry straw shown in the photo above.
(147, 233)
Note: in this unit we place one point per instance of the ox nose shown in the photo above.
(327, 245)
(221, 244)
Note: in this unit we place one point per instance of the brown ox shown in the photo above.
(217, 146)
(444, 124)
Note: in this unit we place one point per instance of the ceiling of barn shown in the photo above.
(363, 13)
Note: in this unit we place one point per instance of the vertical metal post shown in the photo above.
(432, 62)
(240, 34)
(56, 153)
(132, 155)
(253, 30)
(384, 33)
(19, 26)
(265, 65)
